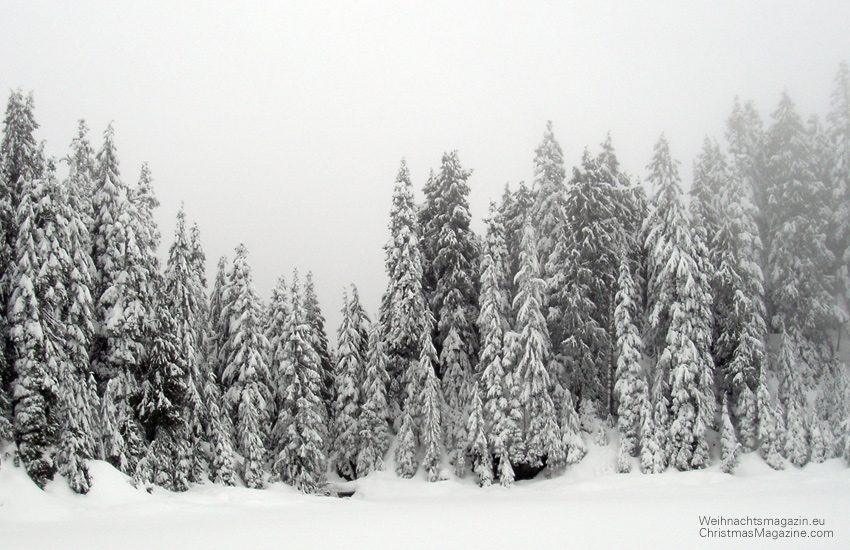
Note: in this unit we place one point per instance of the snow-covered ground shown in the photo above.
(590, 506)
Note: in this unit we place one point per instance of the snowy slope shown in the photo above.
(589, 506)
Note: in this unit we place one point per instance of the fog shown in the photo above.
(281, 125)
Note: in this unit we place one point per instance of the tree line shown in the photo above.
(591, 302)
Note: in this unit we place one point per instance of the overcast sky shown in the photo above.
(282, 124)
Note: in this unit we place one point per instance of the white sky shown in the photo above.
(282, 124)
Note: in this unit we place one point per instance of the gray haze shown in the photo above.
(281, 125)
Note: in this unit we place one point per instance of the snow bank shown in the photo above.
(590, 505)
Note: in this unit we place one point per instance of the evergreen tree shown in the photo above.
(300, 457)
(652, 456)
(746, 138)
(431, 434)
(81, 171)
(492, 326)
(768, 431)
(586, 263)
(313, 315)
(631, 388)
(680, 316)
(21, 161)
(185, 300)
(403, 307)
(108, 197)
(451, 252)
(729, 441)
(548, 208)
(838, 176)
(374, 430)
(246, 374)
(540, 433)
(278, 314)
(350, 375)
(515, 209)
(164, 395)
(50, 316)
(793, 401)
(798, 273)
(477, 444)
(406, 464)
(740, 331)
(219, 326)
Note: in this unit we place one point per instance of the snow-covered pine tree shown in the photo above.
(799, 264)
(492, 325)
(540, 431)
(348, 384)
(478, 447)
(79, 441)
(740, 331)
(374, 415)
(838, 138)
(81, 172)
(586, 266)
(631, 389)
(313, 315)
(50, 316)
(22, 157)
(746, 138)
(406, 463)
(652, 456)
(431, 404)
(816, 441)
(21, 160)
(768, 432)
(730, 448)
(164, 396)
(218, 325)
(278, 314)
(791, 396)
(403, 306)
(246, 374)
(570, 427)
(185, 299)
(548, 208)
(515, 209)
(109, 195)
(128, 268)
(710, 176)
(300, 456)
(680, 315)
(451, 252)
(218, 427)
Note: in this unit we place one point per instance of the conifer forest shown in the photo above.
(692, 321)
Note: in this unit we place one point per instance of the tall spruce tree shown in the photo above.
(21, 160)
(246, 374)
(540, 430)
(631, 387)
(680, 315)
(737, 286)
(185, 300)
(300, 458)
(313, 315)
(50, 316)
(403, 306)
(493, 324)
(452, 253)
(798, 272)
(581, 314)
(374, 429)
(348, 385)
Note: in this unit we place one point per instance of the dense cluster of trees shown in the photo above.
(589, 303)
